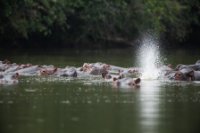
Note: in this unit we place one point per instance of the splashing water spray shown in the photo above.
(149, 58)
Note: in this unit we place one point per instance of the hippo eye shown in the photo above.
(178, 74)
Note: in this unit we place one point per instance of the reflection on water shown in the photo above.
(41, 105)
(149, 105)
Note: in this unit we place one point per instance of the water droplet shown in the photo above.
(149, 58)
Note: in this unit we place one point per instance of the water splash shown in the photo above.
(149, 58)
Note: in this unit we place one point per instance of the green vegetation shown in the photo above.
(81, 21)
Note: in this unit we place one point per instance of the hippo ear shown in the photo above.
(17, 74)
(137, 81)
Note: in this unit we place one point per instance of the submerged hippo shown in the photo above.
(9, 78)
(127, 82)
(195, 67)
(29, 71)
(47, 71)
(112, 77)
(119, 76)
(95, 68)
(182, 75)
(67, 72)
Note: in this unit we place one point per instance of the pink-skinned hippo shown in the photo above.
(95, 68)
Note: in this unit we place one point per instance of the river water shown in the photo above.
(49, 105)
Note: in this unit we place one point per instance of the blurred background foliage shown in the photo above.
(92, 21)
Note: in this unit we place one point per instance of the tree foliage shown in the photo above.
(82, 20)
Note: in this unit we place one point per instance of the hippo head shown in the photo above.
(184, 76)
(46, 72)
(15, 76)
(6, 61)
(86, 67)
(135, 83)
(106, 67)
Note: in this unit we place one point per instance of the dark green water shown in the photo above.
(39, 105)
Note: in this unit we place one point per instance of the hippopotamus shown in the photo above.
(9, 78)
(185, 74)
(112, 77)
(12, 68)
(170, 75)
(4, 67)
(196, 75)
(47, 71)
(195, 67)
(67, 72)
(29, 71)
(127, 82)
(188, 76)
(116, 68)
(95, 69)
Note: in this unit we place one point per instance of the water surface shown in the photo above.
(77, 105)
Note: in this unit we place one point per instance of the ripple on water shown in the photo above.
(10, 102)
(75, 119)
(65, 102)
(30, 90)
